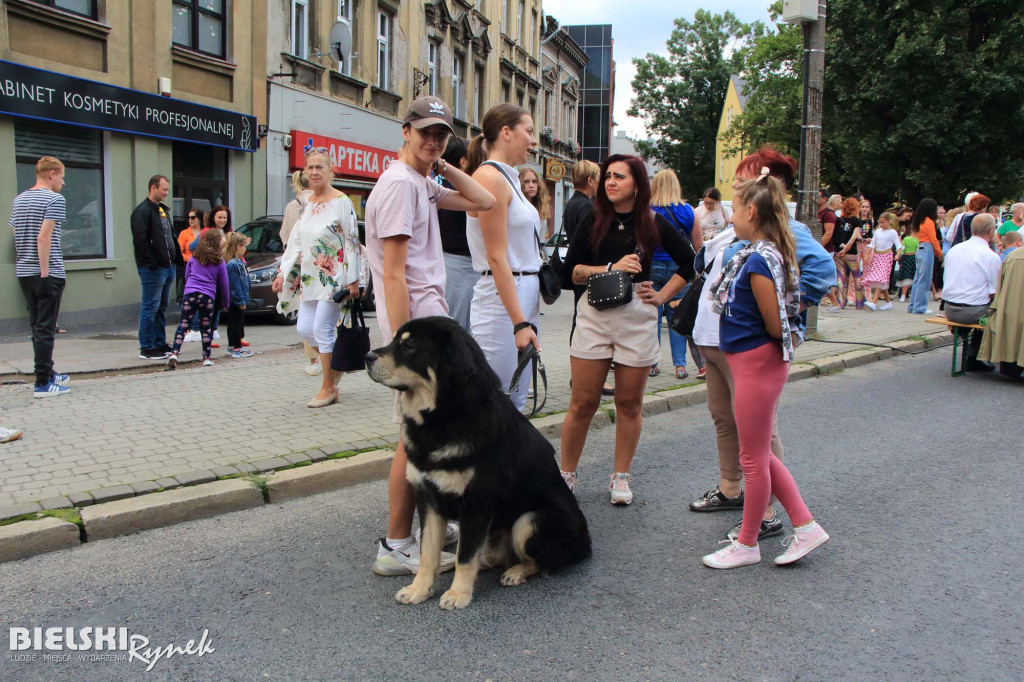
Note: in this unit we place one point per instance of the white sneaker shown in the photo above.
(733, 556)
(619, 487)
(193, 337)
(207, 362)
(870, 306)
(7, 435)
(570, 479)
(216, 335)
(885, 306)
(451, 533)
(313, 369)
(903, 299)
(802, 541)
(406, 560)
(833, 309)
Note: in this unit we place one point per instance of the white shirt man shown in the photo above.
(971, 279)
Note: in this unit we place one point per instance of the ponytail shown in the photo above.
(476, 154)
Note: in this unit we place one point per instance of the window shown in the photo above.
(530, 39)
(504, 16)
(199, 25)
(519, 22)
(84, 232)
(533, 109)
(300, 28)
(478, 78)
(459, 86)
(432, 69)
(346, 14)
(547, 107)
(506, 90)
(383, 49)
(521, 98)
(85, 8)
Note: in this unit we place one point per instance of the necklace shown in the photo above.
(622, 223)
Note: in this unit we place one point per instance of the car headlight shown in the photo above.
(263, 275)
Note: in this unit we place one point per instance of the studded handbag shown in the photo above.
(609, 289)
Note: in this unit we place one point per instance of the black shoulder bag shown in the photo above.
(685, 314)
(550, 283)
(352, 344)
(530, 355)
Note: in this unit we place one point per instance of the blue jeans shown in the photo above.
(924, 260)
(661, 273)
(156, 293)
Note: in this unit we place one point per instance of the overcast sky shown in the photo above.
(639, 27)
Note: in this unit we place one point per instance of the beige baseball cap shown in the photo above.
(429, 111)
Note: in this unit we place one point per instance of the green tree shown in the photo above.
(773, 70)
(680, 96)
(924, 97)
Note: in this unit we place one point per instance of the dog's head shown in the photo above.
(431, 357)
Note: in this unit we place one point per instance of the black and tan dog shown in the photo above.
(474, 459)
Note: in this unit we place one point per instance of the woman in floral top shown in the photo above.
(321, 259)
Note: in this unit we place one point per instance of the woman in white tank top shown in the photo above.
(505, 314)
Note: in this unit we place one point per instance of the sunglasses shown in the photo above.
(193, 217)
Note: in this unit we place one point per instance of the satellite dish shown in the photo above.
(340, 41)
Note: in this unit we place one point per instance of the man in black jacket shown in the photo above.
(581, 203)
(154, 257)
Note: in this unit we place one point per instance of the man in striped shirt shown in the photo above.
(36, 218)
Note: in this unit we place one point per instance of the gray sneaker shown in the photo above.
(714, 500)
(768, 529)
(405, 561)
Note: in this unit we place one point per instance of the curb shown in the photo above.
(122, 510)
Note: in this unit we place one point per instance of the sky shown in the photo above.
(639, 27)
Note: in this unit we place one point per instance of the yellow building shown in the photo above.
(725, 164)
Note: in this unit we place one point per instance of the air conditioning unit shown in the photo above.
(799, 11)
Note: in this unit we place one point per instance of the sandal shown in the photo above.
(654, 371)
(681, 373)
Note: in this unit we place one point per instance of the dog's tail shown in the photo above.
(560, 538)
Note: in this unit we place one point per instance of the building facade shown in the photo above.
(121, 91)
(598, 91)
(725, 163)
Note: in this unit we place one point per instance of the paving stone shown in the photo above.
(167, 483)
(28, 538)
(270, 464)
(59, 502)
(145, 487)
(169, 507)
(829, 365)
(330, 475)
(317, 455)
(195, 477)
(220, 472)
(910, 345)
(296, 457)
(884, 353)
(83, 499)
(12, 510)
(117, 492)
(549, 426)
(859, 358)
(330, 450)
(654, 404)
(245, 467)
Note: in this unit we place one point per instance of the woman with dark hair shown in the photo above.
(923, 223)
(621, 235)
(711, 215)
(847, 233)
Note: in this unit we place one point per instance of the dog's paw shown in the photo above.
(516, 575)
(452, 600)
(412, 594)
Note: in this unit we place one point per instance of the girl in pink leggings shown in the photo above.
(756, 295)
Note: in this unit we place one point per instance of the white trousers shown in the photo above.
(491, 327)
(318, 323)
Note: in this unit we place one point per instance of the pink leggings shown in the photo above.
(760, 375)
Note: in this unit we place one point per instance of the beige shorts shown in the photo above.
(627, 335)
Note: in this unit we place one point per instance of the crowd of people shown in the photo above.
(453, 228)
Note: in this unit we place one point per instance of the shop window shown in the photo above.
(85, 8)
(84, 233)
(200, 25)
(300, 28)
(383, 49)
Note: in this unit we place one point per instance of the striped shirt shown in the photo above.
(30, 209)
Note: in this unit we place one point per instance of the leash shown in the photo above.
(527, 356)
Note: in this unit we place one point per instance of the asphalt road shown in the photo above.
(914, 474)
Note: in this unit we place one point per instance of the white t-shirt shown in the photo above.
(705, 327)
(884, 239)
(712, 222)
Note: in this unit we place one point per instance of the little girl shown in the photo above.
(757, 294)
(206, 282)
(879, 261)
(908, 263)
(238, 283)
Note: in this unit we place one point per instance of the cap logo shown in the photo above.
(436, 108)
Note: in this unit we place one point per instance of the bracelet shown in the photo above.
(523, 325)
(609, 267)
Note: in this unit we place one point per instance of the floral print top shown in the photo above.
(322, 256)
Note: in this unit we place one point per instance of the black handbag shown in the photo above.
(550, 282)
(529, 355)
(609, 289)
(685, 315)
(352, 344)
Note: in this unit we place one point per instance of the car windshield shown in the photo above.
(265, 236)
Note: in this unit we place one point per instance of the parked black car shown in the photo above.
(263, 259)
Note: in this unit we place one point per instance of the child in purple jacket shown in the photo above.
(206, 282)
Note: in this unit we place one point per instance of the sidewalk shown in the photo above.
(134, 430)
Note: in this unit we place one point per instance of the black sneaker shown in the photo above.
(166, 348)
(714, 500)
(152, 354)
(769, 529)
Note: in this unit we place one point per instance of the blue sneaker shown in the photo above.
(50, 390)
(241, 353)
(60, 379)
